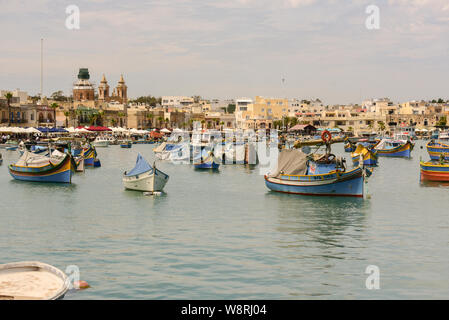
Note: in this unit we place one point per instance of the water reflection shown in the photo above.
(434, 184)
(320, 221)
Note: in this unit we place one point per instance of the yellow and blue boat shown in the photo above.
(434, 170)
(349, 147)
(59, 167)
(394, 148)
(206, 160)
(367, 154)
(325, 175)
(90, 154)
(436, 149)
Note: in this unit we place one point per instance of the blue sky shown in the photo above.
(232, 48)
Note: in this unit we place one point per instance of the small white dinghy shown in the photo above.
(32, 280)
(144, 177)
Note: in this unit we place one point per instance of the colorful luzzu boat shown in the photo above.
(436, 149)
(434, 170)
(90, 157)
(349, 147)
(126, 144)
(206, 160)
(365, 153)
(59, 167)
(394, 148)
(322, 175)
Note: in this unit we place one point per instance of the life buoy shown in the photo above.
(326, 136)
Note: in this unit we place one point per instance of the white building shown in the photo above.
(22, 95)
(176, 101)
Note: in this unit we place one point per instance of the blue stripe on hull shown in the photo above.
(353, 187)
(89, 162)
(207, 166)
(63, 177)
(405, 153)
(435, 168)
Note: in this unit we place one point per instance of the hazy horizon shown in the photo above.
(232, 48)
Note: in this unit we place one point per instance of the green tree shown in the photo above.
(196, 99)
(54, 106)
(381, 125)
(66, 115)
(148, 100)
(58, 96)
(230, 108)
(442, 122)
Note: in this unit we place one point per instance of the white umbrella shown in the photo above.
(165, 130)
(32, 130)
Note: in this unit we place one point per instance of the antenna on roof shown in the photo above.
(42, 67)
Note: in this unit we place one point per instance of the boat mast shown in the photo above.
(42, 66)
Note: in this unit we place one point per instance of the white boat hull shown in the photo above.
(100, 144)
(148, 181)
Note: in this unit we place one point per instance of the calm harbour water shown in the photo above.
(224, 235)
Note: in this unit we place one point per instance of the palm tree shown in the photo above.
(54, 106)
(160, 119)
(101, 117)
(150, 117)
(93, 118)
(66, 114)
(381, 126)
(8, 97)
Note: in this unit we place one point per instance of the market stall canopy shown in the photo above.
(82, 130)
(165, 130)
(302, 127)
(155, 134)
(119, 129)
(51, 130)
(98, 128)
(32, 130)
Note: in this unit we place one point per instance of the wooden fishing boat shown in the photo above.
(206, 160)
(436, 149)
(394, 148)
(59, 167)
(126, 144)
(32, 280)
(101, 142)
(90, 154)
(79, 162)
(323, 175)
(364, 155)
(434, 170)
(144, 177)
(349, 147)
